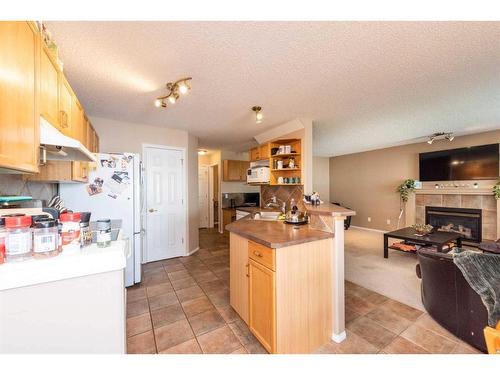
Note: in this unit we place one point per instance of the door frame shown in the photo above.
(207, 168)
(186, 200)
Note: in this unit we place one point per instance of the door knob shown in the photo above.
(152, 210)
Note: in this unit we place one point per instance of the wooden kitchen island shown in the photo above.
(284, 283)
(281, 287)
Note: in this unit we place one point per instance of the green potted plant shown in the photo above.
(496, 190)
(405, 189)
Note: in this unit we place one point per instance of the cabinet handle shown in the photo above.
(248, 274)
(258, 254)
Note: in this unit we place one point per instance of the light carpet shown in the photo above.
(365, 265)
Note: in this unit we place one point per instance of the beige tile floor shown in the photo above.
(182, 306)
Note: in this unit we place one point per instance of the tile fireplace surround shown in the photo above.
(481, 198)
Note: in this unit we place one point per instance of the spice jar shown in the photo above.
(70, 232)
(18, 243)
(103, 233)
(85, 232)
(3, 235)
(45, 238)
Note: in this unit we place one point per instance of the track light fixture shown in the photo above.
(174, 90)
(258, 114)
(441, 135)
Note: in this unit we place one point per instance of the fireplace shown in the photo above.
(466, 221)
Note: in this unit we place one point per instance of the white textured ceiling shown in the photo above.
(365, 85)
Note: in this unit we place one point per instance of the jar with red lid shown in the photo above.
(18, 244)
(3, 235)
(70, 231)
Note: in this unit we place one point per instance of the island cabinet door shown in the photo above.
(262, 310)
(238, 275)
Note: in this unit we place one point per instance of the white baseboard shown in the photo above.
(338, 338)
(193, 251)
(369, 229)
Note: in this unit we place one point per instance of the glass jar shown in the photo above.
(3, 235)
(70, 232)
(19, 242)
(85, 235)
(103, 233)
(45, 238)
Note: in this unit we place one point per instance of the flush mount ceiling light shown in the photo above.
(202, 152)
(258, 114)
(174, 91)
(436, 136)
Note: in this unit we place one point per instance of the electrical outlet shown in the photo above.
(369, 219)
(388, 221)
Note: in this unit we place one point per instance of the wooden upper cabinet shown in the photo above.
(265, 151)
(235, 170)
(261, 152)
(255, 154)
(65, 104)
(49, 89)
(262, 304)
(19, 114)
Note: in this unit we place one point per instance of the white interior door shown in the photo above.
(203, 195)
(165, 203)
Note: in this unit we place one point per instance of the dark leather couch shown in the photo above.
(449, 299)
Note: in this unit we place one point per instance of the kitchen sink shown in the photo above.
(267, 215)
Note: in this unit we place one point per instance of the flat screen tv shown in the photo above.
(468, 163)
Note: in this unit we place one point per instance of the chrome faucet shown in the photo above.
(274, 202)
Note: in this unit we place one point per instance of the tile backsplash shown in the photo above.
(13, 184)
(283, 193)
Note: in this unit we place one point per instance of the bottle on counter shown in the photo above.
(3, 235)
(85, 232)
(18, 245)
(70, 231)
(104, 233)
(45, 238)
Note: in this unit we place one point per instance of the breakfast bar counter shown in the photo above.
(276, 234)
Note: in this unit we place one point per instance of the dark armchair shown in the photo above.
(449, 299)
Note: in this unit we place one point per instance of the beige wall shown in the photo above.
(321, 177)
(121, 136)
(366, 181)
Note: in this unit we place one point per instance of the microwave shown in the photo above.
(258, 175)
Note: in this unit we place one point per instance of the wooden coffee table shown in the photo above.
(437, 238)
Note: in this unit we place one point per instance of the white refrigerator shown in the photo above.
(113, 191)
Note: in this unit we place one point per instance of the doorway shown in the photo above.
(165, 197)
(213, 181)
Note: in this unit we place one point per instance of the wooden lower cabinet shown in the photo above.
(238, 277)
(228, 216)
(262, 305)
(288, 309)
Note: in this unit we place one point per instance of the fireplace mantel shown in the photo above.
(460, 191)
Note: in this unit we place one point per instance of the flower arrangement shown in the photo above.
(496, 190)
(422, 229)
(405, 189)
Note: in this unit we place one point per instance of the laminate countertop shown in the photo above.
(329, 209)
(276, 234)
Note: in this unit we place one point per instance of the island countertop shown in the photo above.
(329, 209)
(276, 234)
